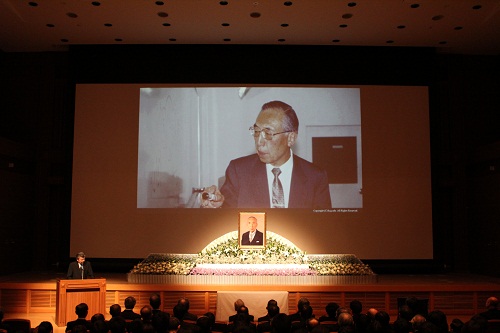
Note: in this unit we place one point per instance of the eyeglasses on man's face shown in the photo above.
(266, 133)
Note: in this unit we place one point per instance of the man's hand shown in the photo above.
(211, 197)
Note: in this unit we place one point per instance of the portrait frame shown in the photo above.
(259, 241)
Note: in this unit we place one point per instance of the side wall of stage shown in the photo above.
(455, 300)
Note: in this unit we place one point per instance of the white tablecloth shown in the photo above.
(255, 301)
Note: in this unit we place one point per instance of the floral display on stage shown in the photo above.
(224, 257)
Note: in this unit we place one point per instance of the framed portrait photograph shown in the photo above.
(252, 230)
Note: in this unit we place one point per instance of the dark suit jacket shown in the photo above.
(258, 239)
(246, 185)
(70, 325)
(74, 271)
(129, 314)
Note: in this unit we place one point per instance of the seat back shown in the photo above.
(18, 325)
(493, 326)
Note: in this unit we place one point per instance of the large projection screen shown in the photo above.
(139, 150)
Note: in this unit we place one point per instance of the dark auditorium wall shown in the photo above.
(36, 132)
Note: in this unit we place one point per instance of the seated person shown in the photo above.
(81, 310)
(265, 325)
(267, 317)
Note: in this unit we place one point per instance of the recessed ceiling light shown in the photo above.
(32, 4)
(64, 40)
(343, 26)
(284, 25)
(390, 42)
(414, 5)
(162, 14)
(281, 40)
(50, 25)
(401, 26)
(96, 3)
(351, 4)
(173, 39)
(118, 40)
(159, 3)
(166, 24)
(225, 24)
(347, 16)
(288, 3)
(477, 7)
(72, 15)
(437, 17)
(255, 15)
(108, 25)
(335, 40)
(227, 39)
(458, 28)
(223, 3)
(443, 42)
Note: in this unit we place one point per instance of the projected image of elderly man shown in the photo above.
(273, 177)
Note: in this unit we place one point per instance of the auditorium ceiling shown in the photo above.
(451, 26)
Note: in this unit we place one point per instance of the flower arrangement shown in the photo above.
(223, 256)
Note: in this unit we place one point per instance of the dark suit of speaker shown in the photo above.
(74, 271)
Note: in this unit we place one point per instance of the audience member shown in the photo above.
(280, 324)
(477, 324)
(492, 311)
(173, 324)
(417, 322)
(146, 314)
(81, 310)
(345, 319)
(184, 302)
(115, 310)
(237, 304)
(456, 325)
(265, 325)
(79, 329)
(129, 313)
(439, 319)
(428, 327)
(401, 325)
(268, 316)
(155, 303)
(371, 314)
(204, 324)
(44, 327)
(99, 326)
(331, 312)
(4, 326)
(117, 324)
(161, 322)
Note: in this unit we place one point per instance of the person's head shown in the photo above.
(45, 327)
(280, 324)
(117, 325)
(356, 306)
(345, 319)
(179, 311)
(146, 313)
(275, 131)
(331, 309)
(271, 302)
(115, 310)
(204, 323)
(439, 319)
(100, 326)
(80, 257)
(82, 310)
(383, 317)
(272, 310)
(242, 309)
(302, 303)
(371, 313)
(417, 322)
(211, 317)
(155, 301)
(342, 309)
(239, 303)
(96, 317)
(130, 302)
(492, 303)
(173, 324)
(185, 302)
(312, 323)
(456, 325)
(252, 226)
(405, 312)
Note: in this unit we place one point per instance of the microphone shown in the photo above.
(81, 269)
(212, 196)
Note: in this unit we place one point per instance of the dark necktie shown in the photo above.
(278, 197)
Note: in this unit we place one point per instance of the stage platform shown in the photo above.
(33, 295)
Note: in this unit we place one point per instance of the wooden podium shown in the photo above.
(70, 293)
